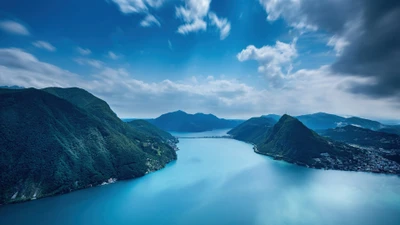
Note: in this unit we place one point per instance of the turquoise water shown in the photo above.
(219, 132)
(222, 181)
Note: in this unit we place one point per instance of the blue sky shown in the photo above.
(234, 58)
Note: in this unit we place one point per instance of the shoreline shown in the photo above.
(100, 184)
(278, 158)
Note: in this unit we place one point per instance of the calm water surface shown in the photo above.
(222, 181)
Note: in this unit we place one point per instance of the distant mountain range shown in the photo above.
(323, 121)
(363, 137)
(57, 140)
(290, 140)
(12, 87)
(181, 121)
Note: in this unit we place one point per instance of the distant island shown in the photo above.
(290, 140)
(56, 140)
(181, 121)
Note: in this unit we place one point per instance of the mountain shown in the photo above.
(290, 140)
(273, 116)
(180, 121)
(364, 123)
(151, 130)
(55, 140)
(322, 121)
(363, 137)
(391, 129)
(12, 87)
(252, 130)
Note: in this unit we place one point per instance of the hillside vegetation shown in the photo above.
(57, 140)
(180, 121)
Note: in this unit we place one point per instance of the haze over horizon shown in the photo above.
(234, 59)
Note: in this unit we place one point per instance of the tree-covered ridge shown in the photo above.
(55, 144)
(180, 121)
(253, 130)
(290, 140)
(151, 130)
(363, 137)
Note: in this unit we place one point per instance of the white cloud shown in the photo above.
(132, 6)
(113, 56)
(277, 8)
(84, 51)
(274, 61)
(222, 24)
(338, 44)
(305, 91)
(44, 45)
(90, 62)
(170, 45)
(14, 27)
(17, 66)
(194, 26)
(142, 7)
(193, 15)
(149, 21)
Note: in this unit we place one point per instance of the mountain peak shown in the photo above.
(291, 139)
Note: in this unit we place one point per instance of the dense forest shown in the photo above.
(57, 140)
(180, 121)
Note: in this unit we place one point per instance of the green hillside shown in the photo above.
(151, 130)
(291, 140)
(253, 130)
(56, 140)
(363, 137)
(180, 121)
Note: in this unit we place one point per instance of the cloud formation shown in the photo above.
(193, 15)
(14, 27)
(84, 51)
(305, 91)
(137, 6)
(366, 37)
(149, 21)
(274, 61)
(112, 55)
(141, 7)
(223, 25)
(89, 62)
(44, 45)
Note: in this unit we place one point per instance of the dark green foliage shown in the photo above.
(288, 139)
(180, 121)
(150, 129)
(391, 129)
(253, 130)
(57, 140)
(363, 137)
(291, 140)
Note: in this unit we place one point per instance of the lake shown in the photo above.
(222, 181)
